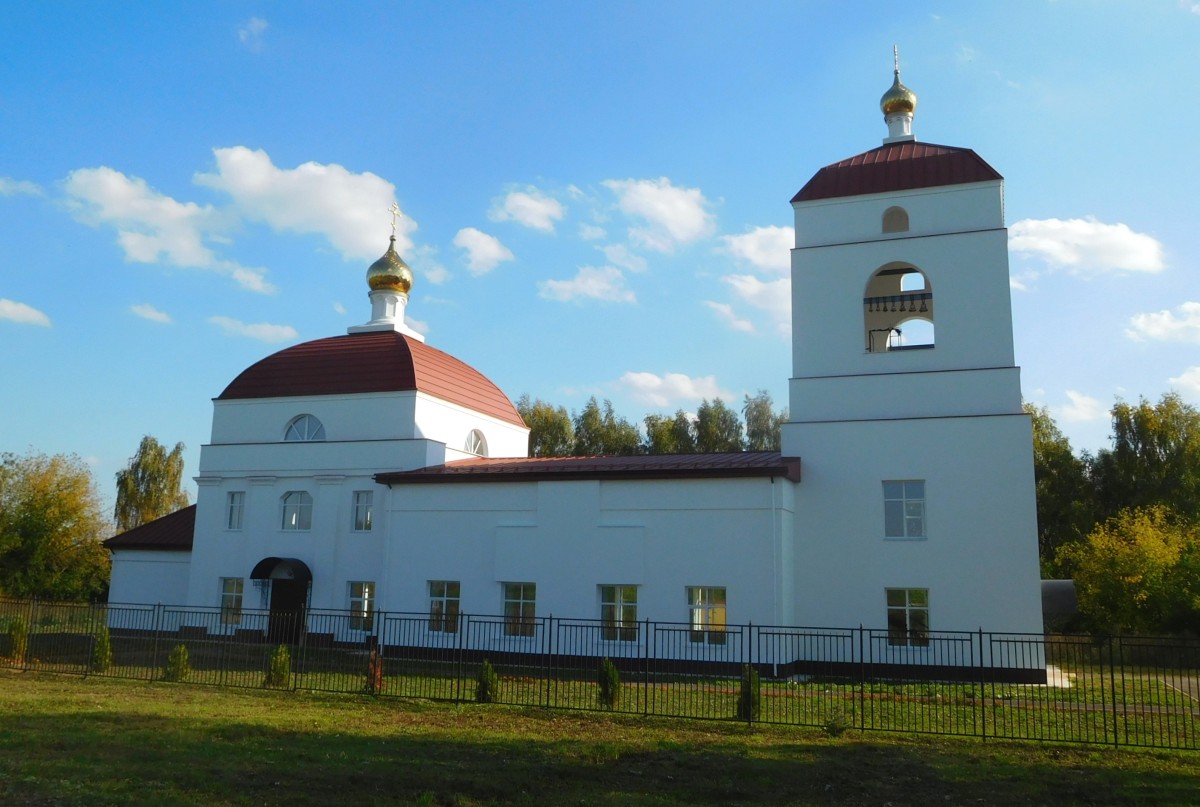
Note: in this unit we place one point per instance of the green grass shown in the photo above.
(96, 741)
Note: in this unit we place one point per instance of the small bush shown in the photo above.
(749, 696)
(102, 656)
(18, 631)
(374, 672)
(610, 685)
(279, 674)
(487, 684)
(838, 723)
(178, 668)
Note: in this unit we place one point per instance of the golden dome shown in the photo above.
(390, 272)
(898, 98)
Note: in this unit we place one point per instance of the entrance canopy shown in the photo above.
(282, 569)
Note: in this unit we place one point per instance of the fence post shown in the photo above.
(29, 634)
(154, 643)
(1112, 685)
(549, 645)
(464, 625)
(862, 681)
(982, 690)
(646, 691)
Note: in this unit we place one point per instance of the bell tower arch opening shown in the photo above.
(898, 309)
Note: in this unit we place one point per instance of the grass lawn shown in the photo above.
(72, 741)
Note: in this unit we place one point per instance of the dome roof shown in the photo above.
(897, 167)
(898, 98)
(390, 272)
(380, 361)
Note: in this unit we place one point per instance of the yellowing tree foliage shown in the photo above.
(151, 486)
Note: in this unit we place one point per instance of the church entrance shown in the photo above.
(289, 580)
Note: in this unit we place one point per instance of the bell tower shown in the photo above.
(905, 400)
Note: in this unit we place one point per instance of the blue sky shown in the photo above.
(595, 195)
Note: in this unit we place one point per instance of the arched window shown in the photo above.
(898, 309)
(304, 428)
(297, 510)
(895, 220)
(476, 443)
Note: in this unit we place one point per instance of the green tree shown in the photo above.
(763, 423)
(1065, 497)
(1154, 459)
(550, 431)
(602, 431)
(151, 486)
(1139, 572)
(717, 428)
(51, 526)
(670, 435)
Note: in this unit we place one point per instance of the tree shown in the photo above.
(151, 486)
(763, 424)
(1139, 571)
(51, 526)
(550, 431)
(670, 435)
(1155, 457)
(717, 428)
(1065, 497)
(604, 432)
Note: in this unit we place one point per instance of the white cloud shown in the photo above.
(262, 331)
(665, 390)
(153, 228)
(619, 255)
(672, 216)
(1081, 408)
(147, 311)
(484, 252)
(21, 313)
(436, 274)
(766, 248)
(338, 308)
(418, 325)
(531, 208)
(726, 314)
(1189, 381)
(590, 232)
(1182, 325)
(1190, 5)
(1087, 246)
(350, 210)
(18, 187)
(774, 297)
(250, 33)
(603, 283)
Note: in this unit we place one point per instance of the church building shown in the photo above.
(372, 472)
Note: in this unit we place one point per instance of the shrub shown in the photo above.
(102, 656)
(749, 695)
(279, 674)
(610, 685)
(18, 631)
(838, 723)
(178, 668)
(374, 671)
(487, 684)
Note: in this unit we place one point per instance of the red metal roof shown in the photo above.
(381, 361)
(169, 532)
(897, 167)
(642, 466)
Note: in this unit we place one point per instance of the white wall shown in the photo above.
(149, 576)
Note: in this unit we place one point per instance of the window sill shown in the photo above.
(906, 537)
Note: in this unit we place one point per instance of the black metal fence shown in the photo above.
(1136, 691)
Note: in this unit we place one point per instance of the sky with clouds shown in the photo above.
(594, 196)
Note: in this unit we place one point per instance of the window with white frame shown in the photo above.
(363, 506)
(297, 510)
(908, 617)
(235, 508)
(362, 605)
(303, 429)
(443, 606)
(476, 443)
(618, 613)
(231, 600)
(706, 614)
(904, 509)
(520, 610)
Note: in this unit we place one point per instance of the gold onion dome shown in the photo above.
(898, 98)
(390, 272)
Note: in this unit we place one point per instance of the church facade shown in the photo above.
(371, 472)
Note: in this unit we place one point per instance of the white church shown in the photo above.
(371, 472)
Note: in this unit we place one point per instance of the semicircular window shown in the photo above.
(304, 428)
(476, 443)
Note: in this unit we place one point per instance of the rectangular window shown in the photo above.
(231, 600)
(908, 617)
(904, 509)
(297, 510)
(706, 606)
(443, 606)
(363, 500)
(618, 613)
(362, 605)
(235, 506)
(519, 609)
